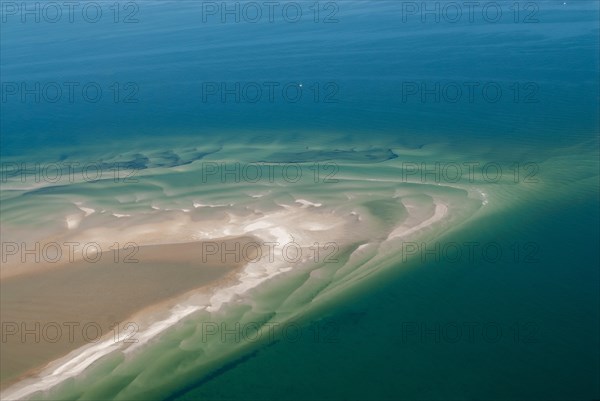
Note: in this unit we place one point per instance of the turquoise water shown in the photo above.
(380, 323)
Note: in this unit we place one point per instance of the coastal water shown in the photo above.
(373, 95)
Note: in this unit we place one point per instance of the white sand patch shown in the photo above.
(306, 203)
(440, 211)
(73, 221)
(86, 210)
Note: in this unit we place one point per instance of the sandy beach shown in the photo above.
(47, 314)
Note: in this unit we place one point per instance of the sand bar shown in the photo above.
(54, 311)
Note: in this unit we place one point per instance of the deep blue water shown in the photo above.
(365, 57)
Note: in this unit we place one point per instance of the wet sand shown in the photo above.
(54, 311)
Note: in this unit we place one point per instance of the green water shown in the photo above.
(547, 312)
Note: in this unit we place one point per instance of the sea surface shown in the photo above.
(479, 129)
